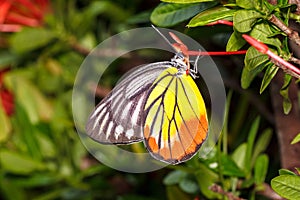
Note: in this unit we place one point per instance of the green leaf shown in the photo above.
(54, 194)
(10, 190)
(30, 39)
(262, 32)
(188, 186)
(229, 167)
(296, 139)
(38, 180)
(19, 164)
(246, 4)
(248, 75)
(282, 2)
(206, 178)
(262, 143)
(254, 58)
(284, 92)
(5, 127)
(171, 14)
(7, 58)
(46, 146)
(211, 15)
(268, 76)
(174, 177)
(261, 169)
(174, 193)
(108, 8)
(186, 1)
(27, 132)
(287, 186)
(49, 72)
(30, 98)
(250, 143)
(239, 155)
(235, 42)
(79, 152)
(286, 172)
(244, 20)
(255, 62)
(247, 183)
(142, 17)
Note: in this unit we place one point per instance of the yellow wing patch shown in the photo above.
(176, 121)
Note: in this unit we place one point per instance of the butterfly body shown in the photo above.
(158, 104)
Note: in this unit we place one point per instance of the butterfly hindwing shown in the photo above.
(117, 119)
(175, 117)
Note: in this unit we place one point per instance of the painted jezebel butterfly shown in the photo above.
(157, 103)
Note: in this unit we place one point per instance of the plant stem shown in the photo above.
(225, 22)
(216, 53)
(218, 189)
(293, 35)
(295, 60)
(277, 60)
(297, 3)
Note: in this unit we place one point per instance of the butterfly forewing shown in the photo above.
(175, 118)
(118, 118)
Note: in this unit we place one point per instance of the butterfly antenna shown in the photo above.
(164, 37)
(196, 63)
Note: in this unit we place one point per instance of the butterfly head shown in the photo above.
(181, 49)
(181, 58)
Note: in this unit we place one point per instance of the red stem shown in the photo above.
(263, 48)
(221, 21)
(32, 7)
(216, 53)
(7, 100)
(22, 20)
(10, 27)
(283, 62)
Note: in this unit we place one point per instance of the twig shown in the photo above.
(293, 35)
(269, 192)
(100, 91)
(80, 49)
(103, 53)
(297, 3)
(295, 60)
(218, 189)
(283, 66)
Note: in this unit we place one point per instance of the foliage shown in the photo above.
(287, 184)
(41, 155)
(251, 17)
(244, 168)
(296, 139)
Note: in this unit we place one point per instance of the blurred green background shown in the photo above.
(42, 45)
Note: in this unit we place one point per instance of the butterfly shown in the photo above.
(157, 103)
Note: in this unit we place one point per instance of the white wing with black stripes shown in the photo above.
(118, 118)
